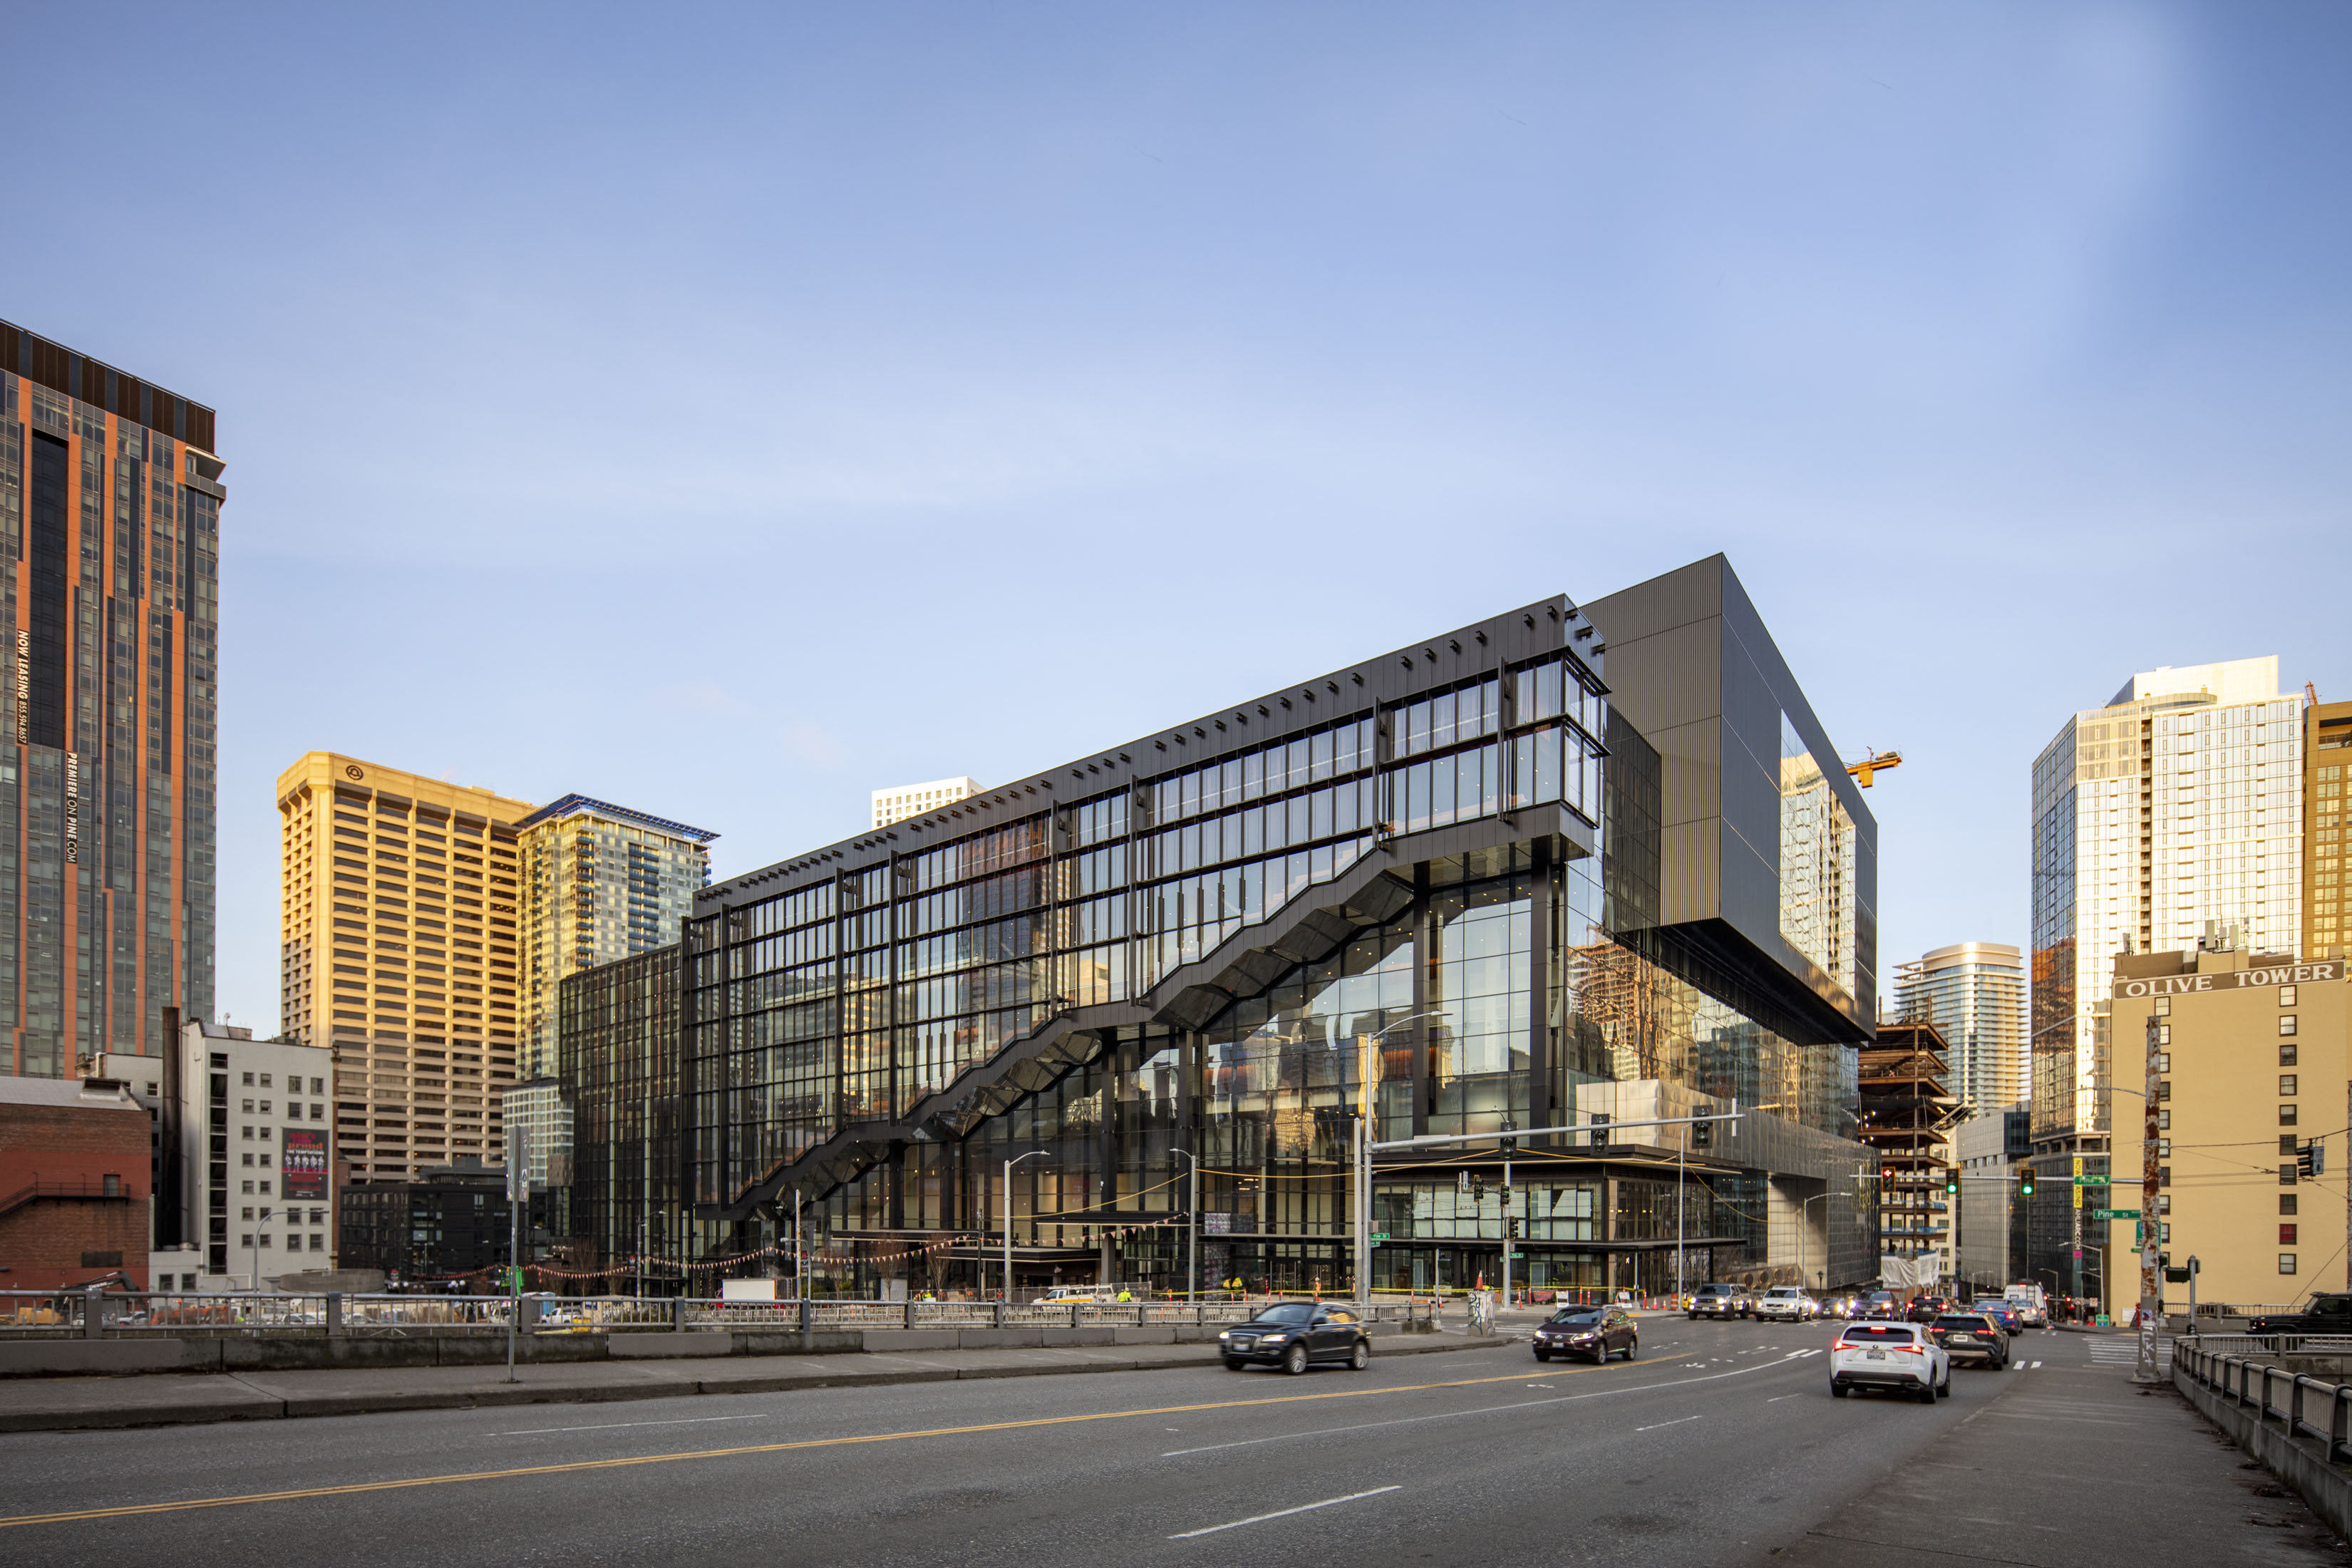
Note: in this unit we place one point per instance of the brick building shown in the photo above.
(76, 1183)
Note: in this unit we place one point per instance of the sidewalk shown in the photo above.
(2070, 1466)
(68, 1403)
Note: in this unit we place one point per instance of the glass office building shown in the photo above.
(1543, 872)
(617, 1065)
(2170, 817)
(110, 604)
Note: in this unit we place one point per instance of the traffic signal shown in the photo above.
(1510, 1144)
(1477, 1188)
(1702, 1134)
(2308, 1160)
(1886, 1173)
(1511, 1228)
(2025, 1183)
(1951, 1183)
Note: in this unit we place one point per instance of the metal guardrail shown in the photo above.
(2249, 1385)
(94, 1314)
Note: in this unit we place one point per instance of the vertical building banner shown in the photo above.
(303, 1164)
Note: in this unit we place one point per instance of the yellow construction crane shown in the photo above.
(1873, 764)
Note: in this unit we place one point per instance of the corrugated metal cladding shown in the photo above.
(61, 370)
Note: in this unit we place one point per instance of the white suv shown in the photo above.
(1787, 1303)
(1901, 1357)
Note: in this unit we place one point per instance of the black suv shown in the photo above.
(1975, 1338)
(1292, 1334)
(2328, 1312)
(1598, 1332)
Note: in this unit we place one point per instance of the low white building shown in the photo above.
(245, 1159)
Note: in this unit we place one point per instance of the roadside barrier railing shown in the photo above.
(2307, 1408)
(105, 1314)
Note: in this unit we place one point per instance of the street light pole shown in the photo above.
(1008, 1219)
(1191, 1228)
(1804, 1225)
(261, 1217)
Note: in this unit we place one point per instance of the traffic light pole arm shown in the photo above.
(1429, 1140)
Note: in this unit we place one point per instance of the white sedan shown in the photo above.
(1788, 1304)
(1901, 1358)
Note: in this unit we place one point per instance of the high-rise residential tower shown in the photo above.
(903, 801)
(599, 882)
(1974, 992)
(2170, 816)
(398, 928)
(2327, 748)
(110, 602)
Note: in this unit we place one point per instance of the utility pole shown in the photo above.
(2151, 1226)
(800, 1265)
(518, 1199)
(2076, 1293)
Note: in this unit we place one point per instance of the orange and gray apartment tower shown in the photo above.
(110, 604)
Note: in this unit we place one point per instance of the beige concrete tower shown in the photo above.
(397, 923)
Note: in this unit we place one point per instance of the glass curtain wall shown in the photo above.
(853, 999)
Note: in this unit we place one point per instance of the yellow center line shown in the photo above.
(356, 1487)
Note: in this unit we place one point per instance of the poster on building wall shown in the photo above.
(303, 1164)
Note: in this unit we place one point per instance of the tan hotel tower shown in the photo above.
(398, 922)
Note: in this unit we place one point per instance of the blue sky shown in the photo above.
(730, 412)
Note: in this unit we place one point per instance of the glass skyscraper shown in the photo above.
(2172, 815)
(1472, 885)
(1974, 992)
(110, 527)
(599, 882)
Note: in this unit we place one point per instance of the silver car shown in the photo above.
(1786, 1304)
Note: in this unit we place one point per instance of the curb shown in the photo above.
(501, 1395)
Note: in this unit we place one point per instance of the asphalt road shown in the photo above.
(1719, 1446)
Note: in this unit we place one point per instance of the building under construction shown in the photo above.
(1907, 1115)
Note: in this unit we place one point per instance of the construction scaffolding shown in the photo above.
(1907, 1114)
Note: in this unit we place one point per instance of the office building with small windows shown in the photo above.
(110, 526)
(2328, 779)
(897, 804)
(1558, 873)
(599, 882)
(1988, 1148)
(2253, 1051)
(1974, 992)
(447, 1226)
(400, 951)
(245, 1155)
